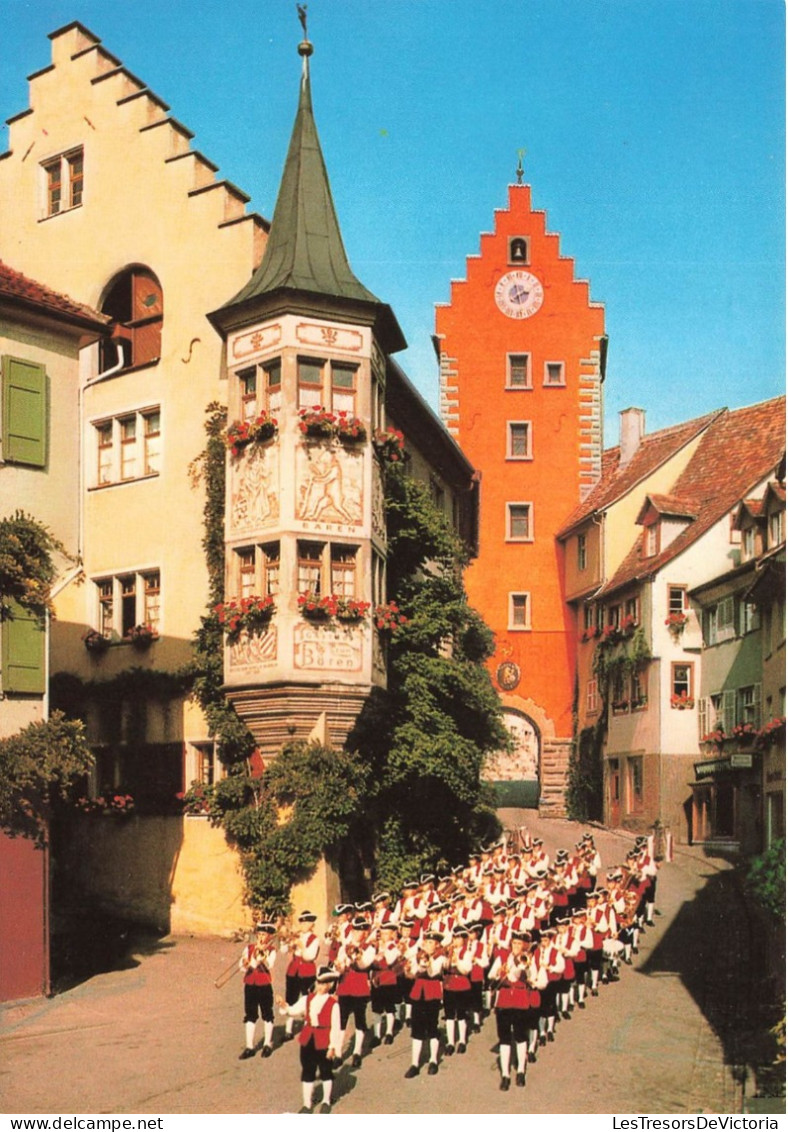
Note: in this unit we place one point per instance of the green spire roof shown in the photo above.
(305, 250)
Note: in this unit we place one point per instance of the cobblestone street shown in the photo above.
(157, 1037)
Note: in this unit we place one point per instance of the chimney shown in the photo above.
(631, 431)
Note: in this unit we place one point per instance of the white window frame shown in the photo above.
(520, 538)
(582, 554)
(519, 599)
(327, 564)
(110, 586)
(592, 697)
(70, 198)
(529, 434)
(108, 469)
(561, 383)
(332, 397)
(510, 359)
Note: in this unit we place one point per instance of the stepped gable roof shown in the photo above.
(18, 289)
(654, 449)
(305, 253)
(738, 450)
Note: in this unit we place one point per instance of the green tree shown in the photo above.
(38, 765)
(27, 568)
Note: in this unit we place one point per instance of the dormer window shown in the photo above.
(776, 528)
(519, 250)
(651, 540)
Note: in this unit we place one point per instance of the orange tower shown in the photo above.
(522, 353)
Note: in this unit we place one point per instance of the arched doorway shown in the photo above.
(515, 774)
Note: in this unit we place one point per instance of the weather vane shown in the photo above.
(301, 9)
(520, 155)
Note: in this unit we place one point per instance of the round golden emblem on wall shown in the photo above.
(508, 675)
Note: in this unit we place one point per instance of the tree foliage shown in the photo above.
(37, 765)
(282, 822)
(27, 567)
(765, 880)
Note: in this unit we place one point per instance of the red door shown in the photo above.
(24, 919)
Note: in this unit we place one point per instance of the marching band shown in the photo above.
(510, 934)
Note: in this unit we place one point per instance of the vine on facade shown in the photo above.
(27, 566)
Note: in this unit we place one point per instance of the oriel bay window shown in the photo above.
(260, 389)
(327, 568)
(256, 571)
(330, 384)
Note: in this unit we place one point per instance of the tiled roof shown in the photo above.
(17, 288)
(671, 505)
(737, 451)
(654, 449)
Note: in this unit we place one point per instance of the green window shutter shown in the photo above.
(23, 640)
(24, 412)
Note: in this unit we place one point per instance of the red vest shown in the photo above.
(321, 1033)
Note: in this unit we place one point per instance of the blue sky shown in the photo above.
(653, 131)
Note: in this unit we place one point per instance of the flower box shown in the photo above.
(350, 430)
(142, 635)
(250, 614)
(240, 434)
(96, 642)
(771, 732)
(389, 445)
(317, 422)
(676, 622)
(682, 702)
(316, 608)
(388, 619)
(346, 610)
(351, 611)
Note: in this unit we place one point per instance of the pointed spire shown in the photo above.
(305, 251)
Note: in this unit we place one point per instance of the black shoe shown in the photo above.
(303, 1109)
(433, 1069)
(324, 1107)
(412, 1071)
(636, 951)
(288, 1038)
(449, 1050)
(542, 1039)
(520, 1080)
(532, 1058)
(504, 1085)
(649, 923)
(627, 961)
(566, 1014)
(551, 1036)
(461, 1048)
(388, 1040)
(595, 992)
(246, 1053)
(356, 1061)
(267, 1051)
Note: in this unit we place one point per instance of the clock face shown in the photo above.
(519, 294)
